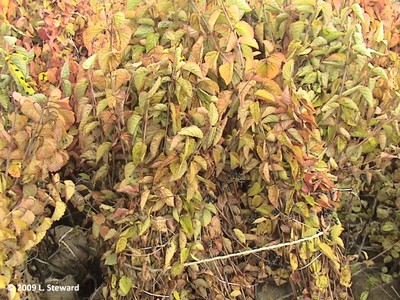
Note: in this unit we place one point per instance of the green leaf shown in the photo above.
(65, 70)
(138, 152)
(367, 94)
(206, 218)
(364, 295)
(146, 225)
(254, 190)
(11, 40)
(177, 270)
(249, 41)
(66, 87)
(347, 102)
(288, 70)
(184, 255)
(192, 130)
(151, 40)
(362, 50)
(358, 11)
(255, 111)
(296, 30)
(111, 259)
(388, 226)
(187, 225)
(125, 285)
(143, 31)
(132, 124)
(380, 72)
(242, 4)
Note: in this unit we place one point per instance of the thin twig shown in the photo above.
(252, 251)
(151, 294)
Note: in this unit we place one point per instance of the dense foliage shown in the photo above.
(188, 130)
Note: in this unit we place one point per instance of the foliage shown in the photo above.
(192, 129)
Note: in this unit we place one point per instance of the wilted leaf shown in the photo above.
(273, 195)
(167, 196)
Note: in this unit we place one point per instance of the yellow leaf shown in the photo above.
(146, 225)
(244, 29)
(5, 280)
(345, 278)
(14, 169)
(43, 76)
(192, 68)
(143, 198)
(240, 235)
(125, 285)
(167, 196)
(264, 95)
(169, 254)
(41, 231)
(235, 293)
(17, 65)
(19, 225)
(249, 41)
(213, 18)
(322, 282)
(121, 244)
(226, 72)
(336, 231)
(59, 211)
(327, 250)
(294, 264)
(211, 59)
(69, 189)
(191, 131)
